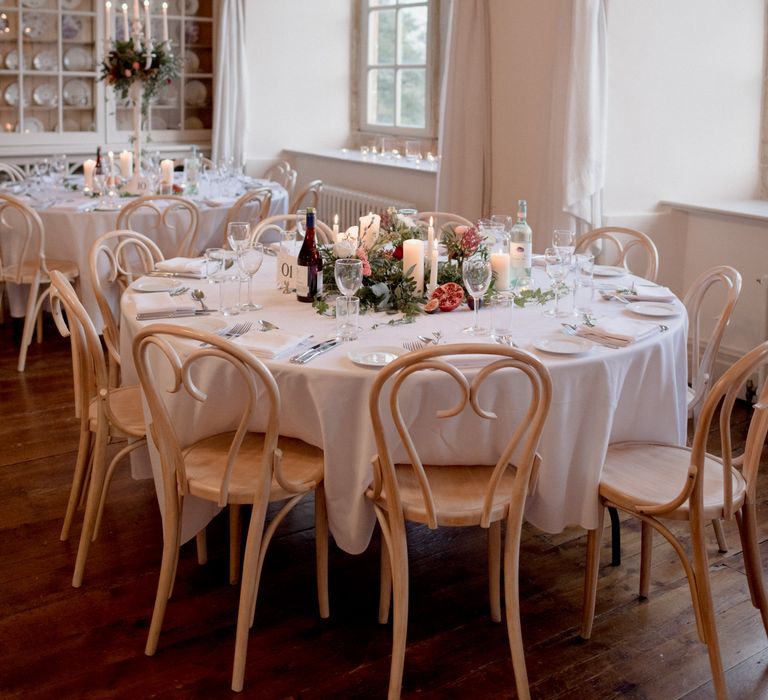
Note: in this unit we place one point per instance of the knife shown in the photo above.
(314, 351)
(183, 275)
(154, 315)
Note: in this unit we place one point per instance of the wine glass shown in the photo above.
(301, 223)
(476, 273)
(349, 275)
(238, 234)
(557, 261)
(249, 259)
(565, 240)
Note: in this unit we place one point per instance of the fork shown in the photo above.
(414, 345)
(234, 331)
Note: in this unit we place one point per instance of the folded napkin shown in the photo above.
(650, 294)
(192, 267)
(270, 344)
(619, 330)
(162, 302)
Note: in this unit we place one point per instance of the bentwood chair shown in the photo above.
(11, 172)
(23, 261)
(116, 259)
(241, 466)
(283, 174)
(441, 220)
(308, 197)
(252, 207)
(658, 483)
(106, 415)
(170, 221)
(273, 227)
(615, 245)
(457, 495)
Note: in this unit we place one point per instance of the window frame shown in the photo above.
(359, 102)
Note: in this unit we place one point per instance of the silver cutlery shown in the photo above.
(198, 295)
(570, 329)
(506, 340)
(608, 296)
(314, 351)
(267, 325)
(182, 275)
(156, 315)
(234, 331)
(414, 345)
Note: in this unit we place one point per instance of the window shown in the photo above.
(397, 50)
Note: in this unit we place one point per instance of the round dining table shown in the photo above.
(601, 395)
(72, 222)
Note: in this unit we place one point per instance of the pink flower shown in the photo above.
(136, 65)
(127, 72)
(361, 253)
(460, 230)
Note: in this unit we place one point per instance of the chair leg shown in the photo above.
(235, 541)
(494, 570)
(201, 545)
(399, 562)
(321, 551)
(591, 571)
(29, 325)
(385, 582)
(78, 479)
(512, 603)
(615, 536)
(722, 543)
(747, 521)
(646, 554)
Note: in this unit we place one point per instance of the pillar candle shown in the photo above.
(500, 267)
(126, 33)
(136, 11)
(88, 167)
(413, 256)
(165, 21)
(126, 165)
(430, 234)
(433, 267)
(335, 228)
(166, 168)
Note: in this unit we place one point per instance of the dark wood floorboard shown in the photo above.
(59, 642)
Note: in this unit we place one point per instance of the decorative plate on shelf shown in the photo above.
(70, 4)
(191, 32)
(12, 94)
(159, 123)
(196, 93)
(71, 26)
(193, 123)
(31, 125)
(12, 60)
(168, 94)
(191, 7)
(45, 95)
(78, 58)
(191, 61)
(35, 25)
(77, 93)
(34, 4)
(45, 60)
(71, 124)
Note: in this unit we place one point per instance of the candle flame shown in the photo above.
(109, 5)
(124, 7)
(165, 5)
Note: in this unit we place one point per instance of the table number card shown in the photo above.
(286, 265)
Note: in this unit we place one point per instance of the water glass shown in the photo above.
(583, 290)
(565, 241)
(347, 314)
(502, 308)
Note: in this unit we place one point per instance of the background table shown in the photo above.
(602, 396)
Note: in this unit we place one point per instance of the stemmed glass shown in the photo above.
(557, 262)
(476, 272)
(349, 278)
(301, 223)
(565, 241)
(238, 234)
(249, 259)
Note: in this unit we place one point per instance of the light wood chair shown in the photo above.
(614, 245)
(11, 172)
(252, 207)
(23, 261)
(106, 414)
(441, 220)
(283, 174)
(308, 197)
(456, 495)
(238, 467)
(657, 482)
(182, 233)
(116, 259)
(274, 227)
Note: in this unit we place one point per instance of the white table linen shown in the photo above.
(601, 396)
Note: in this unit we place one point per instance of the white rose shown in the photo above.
(369, 228)
(344, 249)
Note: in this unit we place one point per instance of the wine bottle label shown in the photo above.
(302, 280)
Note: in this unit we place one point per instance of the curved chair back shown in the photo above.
(273, 228)
(115, 260)
(441, 220)
(614, 244)
(252, 207)
(11, 172)
(170, 221)
(22, 241)
(703, 360)
(283, 174)
(308, 197)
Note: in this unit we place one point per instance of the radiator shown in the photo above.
(350, 205)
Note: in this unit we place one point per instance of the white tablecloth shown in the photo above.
(71, 227)
(605, 395)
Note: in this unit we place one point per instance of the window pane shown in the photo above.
(412, 88)
(412, 47)
(376, 3)
(382, 37)
(381, 97)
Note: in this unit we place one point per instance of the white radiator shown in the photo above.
(350, 205)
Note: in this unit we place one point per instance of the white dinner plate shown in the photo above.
(609, 271)
(70, 4)
(34, 4)
(45, 95)
(45, 60)
(151, 284)
(653, 308)
(567, 345)
(35, 26)
(374, 356)
(31, 125)
(193, 123)
(77, 93)
(195, 93)
(78, 58)
(11, 95)
(191, 61)
(191, 7)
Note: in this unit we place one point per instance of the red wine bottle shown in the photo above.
(309, 264)
(98, 169)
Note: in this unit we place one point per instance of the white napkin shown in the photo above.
(650, 294)
(619, 330)
(270, 344)
(162, 302)
(192, 267)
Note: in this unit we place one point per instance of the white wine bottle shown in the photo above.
(520, 242)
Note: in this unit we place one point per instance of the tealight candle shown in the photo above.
(500, 267)
(166, 170)
(126, 165)
(413, 257)
(88, 168)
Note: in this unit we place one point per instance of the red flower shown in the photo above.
(398, 252)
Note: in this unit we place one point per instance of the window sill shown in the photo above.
(755, 209)
(354, 156)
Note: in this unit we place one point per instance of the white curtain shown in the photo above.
(464, 179)
(584, 134)
(230, 82)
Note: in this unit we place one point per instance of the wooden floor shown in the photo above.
(58, 642)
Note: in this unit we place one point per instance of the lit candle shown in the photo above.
(500, 267)
(108, 25)
(430, 234)
(111, 171)
(165, 21)
(126, 165)
(413, 257)
(166, 168)
(148, 30)
(126, 33)
(433, 267)
(335, 227)
(88, 167)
